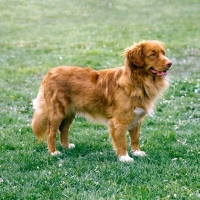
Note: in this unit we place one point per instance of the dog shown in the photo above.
(119, 98)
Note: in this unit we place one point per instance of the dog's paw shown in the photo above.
(71, 146)
(55, 153)
(138, 153)
(126, 158)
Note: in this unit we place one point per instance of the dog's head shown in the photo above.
(148, 55)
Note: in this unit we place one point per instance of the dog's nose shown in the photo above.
(168, 64)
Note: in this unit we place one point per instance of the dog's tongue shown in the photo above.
(163, 73)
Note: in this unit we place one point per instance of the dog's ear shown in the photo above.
(134, 55)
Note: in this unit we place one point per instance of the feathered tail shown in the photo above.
(39, 122)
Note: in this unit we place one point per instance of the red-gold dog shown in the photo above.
(119, 98)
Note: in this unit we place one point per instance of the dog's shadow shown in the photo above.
(89, 151)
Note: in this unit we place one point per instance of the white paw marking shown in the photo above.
(55, 153)
(139, 153)
(71, 146)
(126, 158)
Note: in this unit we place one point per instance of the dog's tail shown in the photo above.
(39, 122)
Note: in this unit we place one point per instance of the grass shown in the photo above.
(38, 35)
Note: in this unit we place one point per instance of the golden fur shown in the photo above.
(119, 98)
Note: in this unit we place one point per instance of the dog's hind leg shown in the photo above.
(64, 132)
(54, 122)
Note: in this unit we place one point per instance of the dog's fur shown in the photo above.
(119, 98)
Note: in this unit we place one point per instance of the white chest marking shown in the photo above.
(139, 111)
(139, 114)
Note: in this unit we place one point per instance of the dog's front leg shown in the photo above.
(118, 134)
(134, 135)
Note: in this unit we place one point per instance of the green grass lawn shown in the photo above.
(37, 35)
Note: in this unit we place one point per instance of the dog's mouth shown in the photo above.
(158, 73)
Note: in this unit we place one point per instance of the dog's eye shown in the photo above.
(153, 54)
(163, 52)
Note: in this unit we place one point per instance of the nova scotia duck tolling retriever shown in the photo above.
(119, 98)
